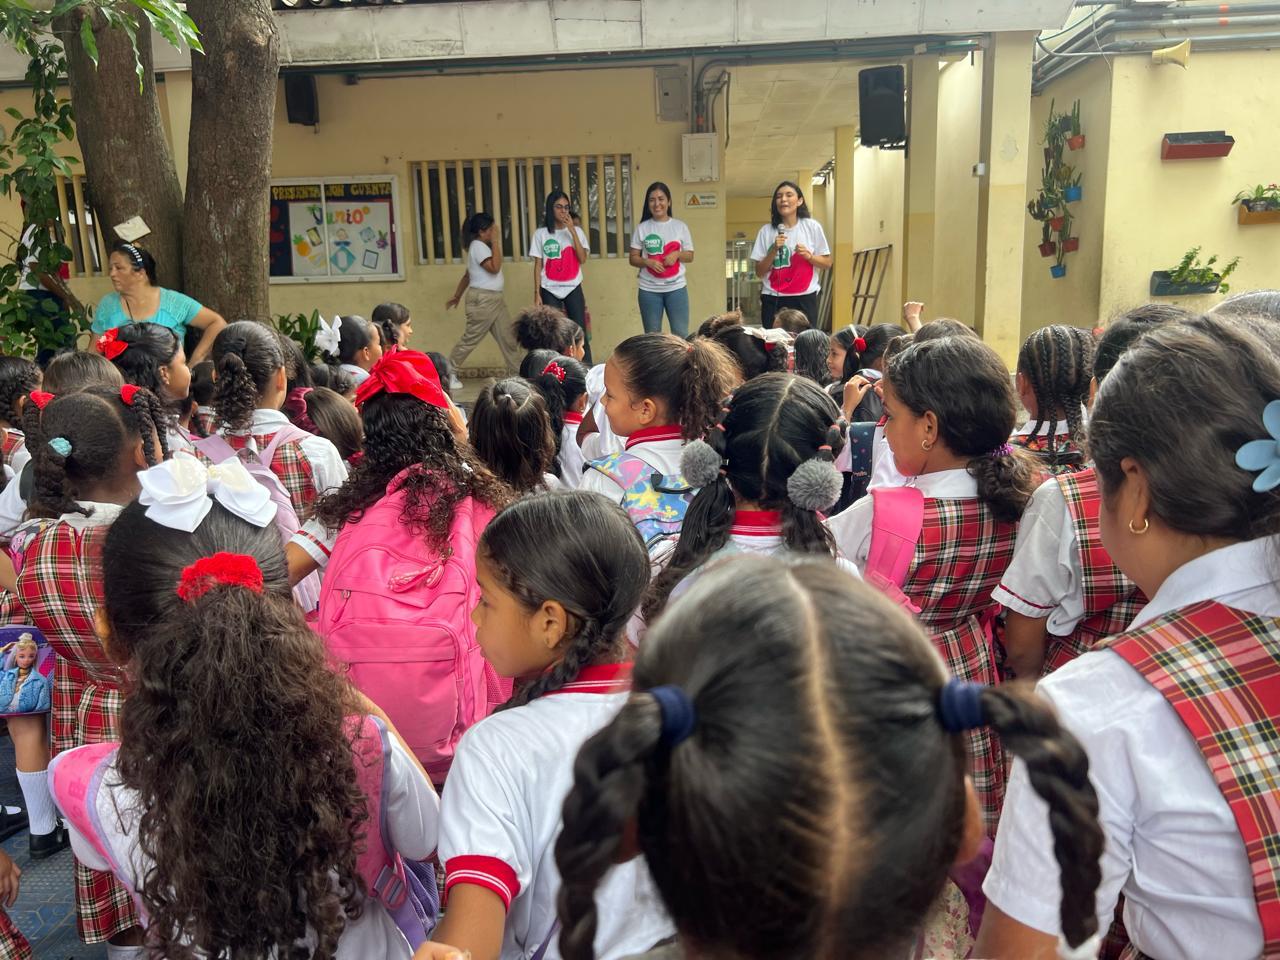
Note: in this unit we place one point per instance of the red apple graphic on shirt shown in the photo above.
(790, 275)
(559, 262)
(654, 249)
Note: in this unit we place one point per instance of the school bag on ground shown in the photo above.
(398, 612)
(656, 503)
(217, 450)
(407, 889)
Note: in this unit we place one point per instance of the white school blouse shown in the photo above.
(1045, 578)
(500, 817)
(1172, 846)
(604, 441)
(571, 460)
(358, 374)
(659, 447)
(412, 816)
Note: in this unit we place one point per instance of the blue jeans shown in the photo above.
(675, 302)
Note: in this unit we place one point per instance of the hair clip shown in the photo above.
(679, 719)
(110, 345)
(1004, 450)
(328, 336)
(40, 398)
(555, 370)
(128, 393)
(219, 570)
(61, 446)
(1263, 456)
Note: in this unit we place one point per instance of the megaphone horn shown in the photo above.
(1179, 54)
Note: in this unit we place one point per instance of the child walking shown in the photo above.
(1055, 366)
(553, 621)
(950, 409)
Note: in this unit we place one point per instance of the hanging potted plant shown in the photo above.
(1072, 191)
(1259, 205)
(1059, 269)
(1066, 242)
(1042, 213)
(1192, 277)
(1076, 140)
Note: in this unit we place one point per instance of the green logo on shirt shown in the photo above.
(551, 248)
(653, 244)
(782, 258)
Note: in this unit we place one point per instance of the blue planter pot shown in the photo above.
(1058, 272)
(1072, 194)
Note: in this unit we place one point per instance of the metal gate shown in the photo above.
(869, 267)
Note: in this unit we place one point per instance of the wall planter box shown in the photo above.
(1196, 146)
(1048, 249)
(1246, 216)
(1072, 194)
(1163, 286)
(1058, 271)
(1056, 223)
(1076, 143)
(1071, 245)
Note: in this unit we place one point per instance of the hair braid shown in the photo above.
(148, 417)
(587, 645)
(1042, 385)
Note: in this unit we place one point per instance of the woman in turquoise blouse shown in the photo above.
(137, 299)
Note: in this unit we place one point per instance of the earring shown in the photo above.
(926, 445)
(1146, 525)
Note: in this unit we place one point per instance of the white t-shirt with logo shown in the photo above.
(655, 239)
(482, 279)
(561, 271)
(791, 276)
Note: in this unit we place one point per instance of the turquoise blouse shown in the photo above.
(176, 310)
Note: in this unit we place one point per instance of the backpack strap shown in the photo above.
(381, 867)
(897, 518)
(283, 435)
(546, 941)
(215, 447)
(624, 469)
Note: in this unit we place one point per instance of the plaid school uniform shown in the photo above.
(962, 553)
(1065, 458)
(1111, 600)
(13, 945)
(60, 586)
(10, 443)
(290, 464)
(1219, 669)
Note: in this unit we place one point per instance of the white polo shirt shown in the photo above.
(570, 457)
(500, 818)
(659, 447)
(1172, 846)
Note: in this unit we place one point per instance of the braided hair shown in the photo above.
(767, 429)
(597, 572)
(814, 742)
(1057, 362)
(246, 356)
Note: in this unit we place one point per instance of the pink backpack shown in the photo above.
(897, 517)
(216, 449)
(407, 890)
(399, 614)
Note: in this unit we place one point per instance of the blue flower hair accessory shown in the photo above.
(1264, 455)
(61, 446)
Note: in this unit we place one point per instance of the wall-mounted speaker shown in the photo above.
(882, 106)
(301, 102)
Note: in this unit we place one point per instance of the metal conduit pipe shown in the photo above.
(1235, 41)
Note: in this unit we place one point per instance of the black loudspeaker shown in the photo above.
(300, 99)
(882, 106)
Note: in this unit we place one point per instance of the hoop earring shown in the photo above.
(1146, 525)
(926, 445)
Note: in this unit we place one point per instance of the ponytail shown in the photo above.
(1007, 477)
(561, 382)
(246, 356)
(691, 379)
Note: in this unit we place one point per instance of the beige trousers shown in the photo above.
(487, 313)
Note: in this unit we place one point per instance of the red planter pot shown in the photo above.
(1196, 146)
(1048, 249)
(1076, 143)
(1056, 223)
(1071, 245)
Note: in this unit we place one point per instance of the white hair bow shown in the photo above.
(177, 493)
(329, 335)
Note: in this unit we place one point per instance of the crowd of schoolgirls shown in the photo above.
(760, 643)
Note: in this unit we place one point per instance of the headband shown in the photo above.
(405, 371)
(960, 706)
(110, 345)
(678, 716)
(221, 569)
(329, 335)
(179, 493)
(1263, 456)
(40, 398)
(135, 255)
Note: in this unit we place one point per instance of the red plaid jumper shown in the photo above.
(1111, 600)
(13, 945)
(60, 586)
(1219, 669)
(1039, 445)
(290, 464)
(9, 444)
(962, 554)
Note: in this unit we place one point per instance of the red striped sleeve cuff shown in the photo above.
(488, 872)
(312, 538)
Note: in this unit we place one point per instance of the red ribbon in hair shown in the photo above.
(859, 344)
(768, 346)
(555, 370)
(40, 398)
(405, 371)
(222, 569)
(110, 345)
(128, 392)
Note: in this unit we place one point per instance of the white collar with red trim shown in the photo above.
(668, 431)
(756, 523)
(603, 678)
(572, 416)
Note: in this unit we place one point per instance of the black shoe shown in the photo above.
(11, 823)
(45, 845)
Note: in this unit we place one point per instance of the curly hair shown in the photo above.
(246, 356)
(511, 433)
(18, 377)
(691, 379)
(234, 737)
(400, 431)
(545, 328)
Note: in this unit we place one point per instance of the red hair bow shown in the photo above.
(128, 392)
(859, 344)
(405, 371)
(222, 569)
(555, 370)
(110, 345)
(40, 398)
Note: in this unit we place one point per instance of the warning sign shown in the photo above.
(701, 200)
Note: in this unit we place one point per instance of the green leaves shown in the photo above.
(88, 40)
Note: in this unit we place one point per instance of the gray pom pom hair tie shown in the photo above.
(700, 464)
(814, 485)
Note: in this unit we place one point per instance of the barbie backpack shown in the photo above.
(656, 503)
(897, 517)
(407, 890)
(398, 613)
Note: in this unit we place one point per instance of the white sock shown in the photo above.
(125, 953)
(40, 809)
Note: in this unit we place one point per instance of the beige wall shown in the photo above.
(956, 191)
(746, 215)
(877, 220)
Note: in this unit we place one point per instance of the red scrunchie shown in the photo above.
(555, 370)
(222, 569)
(859, 344)
(128, 392)
(110, 345)
(40, 398)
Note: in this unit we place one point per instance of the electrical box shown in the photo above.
(672, 92)
(701, 157)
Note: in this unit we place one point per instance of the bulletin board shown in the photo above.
(335, 229)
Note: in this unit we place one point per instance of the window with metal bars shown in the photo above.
(514, 192)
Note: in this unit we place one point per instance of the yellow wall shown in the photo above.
(956, 191)
(1074, 299)
(746, 215)
(877, 220)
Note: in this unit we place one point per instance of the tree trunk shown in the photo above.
(122, 140)
(233, 104)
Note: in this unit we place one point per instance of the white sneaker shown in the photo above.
(454, 382)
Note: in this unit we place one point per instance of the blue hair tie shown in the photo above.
(960, 706)
(678, 715)
(61, 446)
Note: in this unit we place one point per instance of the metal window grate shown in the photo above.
(78, 228)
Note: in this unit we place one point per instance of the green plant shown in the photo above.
(1075, 119)
(1260, 197)
(1192, 272)
(301, 328)
(1041, 209)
